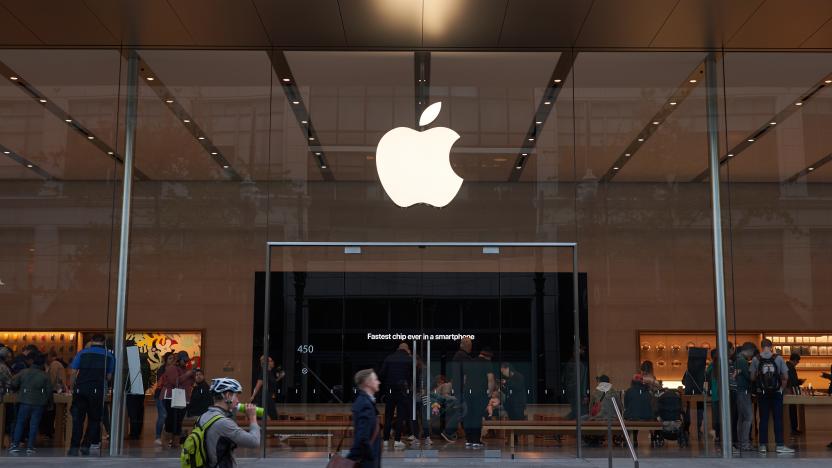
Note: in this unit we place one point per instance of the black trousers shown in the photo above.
(87, 405)
(135, 413)
(173, 420)
(400, 401)
(475, 404)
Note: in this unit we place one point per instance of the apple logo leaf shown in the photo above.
(430, 114)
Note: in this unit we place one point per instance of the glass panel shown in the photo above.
(199, 229)
(644, 233)
(776, 216)
(60, 199)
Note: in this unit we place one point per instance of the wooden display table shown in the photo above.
(63, 419)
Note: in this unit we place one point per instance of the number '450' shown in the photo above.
(306, 349)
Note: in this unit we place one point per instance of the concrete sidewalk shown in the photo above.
(434, 463)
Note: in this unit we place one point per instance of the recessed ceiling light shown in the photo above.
(90, 137)
(13, 78)
(317, 154)
(150, 78)
(295, 102)
(798, 103)
(225, 166)
(811, 169)
(672, 103)
(311, 138)
(547, 102)
(730, 155)
(772, 123)
(524, 154)
(200, 138)
(323, 166)
(110, 153)
(538, 122)
(29, 166)
(518, 167)
(214, 153)
(286, 80)
(531, 139)
(169, 101)
(304, 122)
(186, 121)
(751, 140)
(828, 81)
(655, 122)
(693, 81)
(43, 101)
(615, 168)
(68, 120)
(558, 81)
(6, 152)
(641, 139)
(626, 155)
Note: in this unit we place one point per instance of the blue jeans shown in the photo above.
(161, 414)
(771, 402)
(32, 415)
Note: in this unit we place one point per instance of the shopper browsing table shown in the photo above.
(770, 375)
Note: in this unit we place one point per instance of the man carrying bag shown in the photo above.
(366, 445)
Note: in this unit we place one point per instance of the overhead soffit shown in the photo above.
(418, 23)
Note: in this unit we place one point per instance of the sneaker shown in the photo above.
(15, 450)
(95, 448)
(428, 441)
(469, 445)
(763, 449)
(477, 445)
(399, 445)
(411, 438)
(31, 451)
(783, 449)
(450, 439)
(157, 442)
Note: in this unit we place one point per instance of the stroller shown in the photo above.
(670, 413)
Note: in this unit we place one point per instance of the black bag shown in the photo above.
(768, 377)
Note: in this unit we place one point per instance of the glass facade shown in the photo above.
(604, 150)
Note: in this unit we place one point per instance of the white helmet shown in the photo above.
(225, 384)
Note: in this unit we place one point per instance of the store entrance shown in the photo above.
(457, 336)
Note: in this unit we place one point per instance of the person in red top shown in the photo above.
(176, 376)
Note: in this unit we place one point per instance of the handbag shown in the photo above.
(338, 461)
(178, 397)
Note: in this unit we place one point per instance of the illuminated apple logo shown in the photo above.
(415, 167)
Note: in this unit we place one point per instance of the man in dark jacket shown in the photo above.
(479, 382)
(515, 391)
(201, 397)
(34, 393)
(793, 388)
(638, 403)
(366, 444)
(92, 369)
(397, 375)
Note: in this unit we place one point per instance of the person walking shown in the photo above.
(91, 369)
(34, 394)
(793, 388)
(770, 376)
(397, 375)
(274, 378)
(745, 410)
(161, 412)
(222, 434)
(366, 444)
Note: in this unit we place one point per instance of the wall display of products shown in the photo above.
(815, 351)
(64, 343)
(669, 351)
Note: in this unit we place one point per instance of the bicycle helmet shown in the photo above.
(225, 384)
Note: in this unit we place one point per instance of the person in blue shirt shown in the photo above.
(91, 369)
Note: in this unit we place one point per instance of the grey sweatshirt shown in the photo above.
(228, 428)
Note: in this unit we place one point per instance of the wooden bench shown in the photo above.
(565, 426)
(308, 428)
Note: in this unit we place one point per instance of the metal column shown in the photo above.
(264, 391)
(577, 349)
(116, 416)
(719, 276)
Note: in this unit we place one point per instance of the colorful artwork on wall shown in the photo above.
(156, 344)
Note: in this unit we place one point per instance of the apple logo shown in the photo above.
(415, 167)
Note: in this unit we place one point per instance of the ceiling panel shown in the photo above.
(382, 23)
(634, 23)
(450, 23)
(68, 22)
(221, 22)
(299, 23)
(704, 23)
(147, 22)
(543, 23)
(822, 38)
(782, 24)
(13, 32)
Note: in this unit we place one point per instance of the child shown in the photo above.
(493, 409)
(34, 392)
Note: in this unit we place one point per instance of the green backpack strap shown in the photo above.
(204, 428)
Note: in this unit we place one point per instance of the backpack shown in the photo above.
(193, 450)
(768, 377)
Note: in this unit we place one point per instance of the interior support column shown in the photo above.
(117, 413)
(719, 275)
